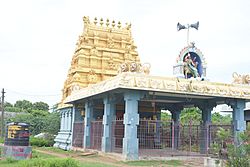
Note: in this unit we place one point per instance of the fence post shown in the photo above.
(173, 136)
(190, 135)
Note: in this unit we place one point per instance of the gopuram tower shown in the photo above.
(101, 48)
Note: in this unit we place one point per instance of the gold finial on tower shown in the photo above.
(86, 20)
(119, 24)
(95, 20)
(101, 21)
(107, 22)
(113, 23)
(128, 26)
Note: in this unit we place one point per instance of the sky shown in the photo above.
(37, 39)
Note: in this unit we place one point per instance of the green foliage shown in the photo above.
(39, 113)
(223, 135)
(7, 104)
(190, 114)
(39, 121)
(36, 154)
(12, 109)
(154, 163)
(49, 162)
(52, 123)
(217, 118)
(1, 140)
(10, 160)
(194, 114)
(24, 105)
(57, 150)
(41, 142)
(165, 116)
(40, 106)
(238, 155)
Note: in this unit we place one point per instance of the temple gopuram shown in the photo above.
(112, 104)
(100, 50)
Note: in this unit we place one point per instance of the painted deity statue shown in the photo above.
(190, 67)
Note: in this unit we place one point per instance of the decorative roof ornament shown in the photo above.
(190, 63)
(134, 67)
(241, 79)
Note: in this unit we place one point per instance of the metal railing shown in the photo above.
(78, 133)
(96, 135)
(154, 135)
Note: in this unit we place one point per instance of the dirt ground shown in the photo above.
(111, 160)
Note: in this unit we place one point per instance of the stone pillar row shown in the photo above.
(131, 120)
(66, 120)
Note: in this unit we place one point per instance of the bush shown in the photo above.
(40, 142)
(1, 140)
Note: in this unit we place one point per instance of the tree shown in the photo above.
(41, 106)
(39, 121)
(190, 114)
(7, 104)
(24, 105)
(165, 116)
(217, 118)
(52, 123)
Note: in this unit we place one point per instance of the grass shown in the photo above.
(40, 161)
(154, 163)
(41, 158)
(36, 154)
(57, 150)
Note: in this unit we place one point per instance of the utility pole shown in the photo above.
(2, 106)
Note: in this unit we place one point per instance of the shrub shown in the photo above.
(1, 140)
(40, 142)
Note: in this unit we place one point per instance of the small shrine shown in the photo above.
(190, 63)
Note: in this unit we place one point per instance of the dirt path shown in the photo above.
(112, 161)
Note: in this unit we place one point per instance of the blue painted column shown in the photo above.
(88, 118)
(131, 120)
(72, 124)
(239, 122)
(175, 127)
(64, 120)
(206, 122)
(61, 123)
(67, 120)
(108, 117)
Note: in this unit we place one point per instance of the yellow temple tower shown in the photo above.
(103, 48)
(100, 50)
